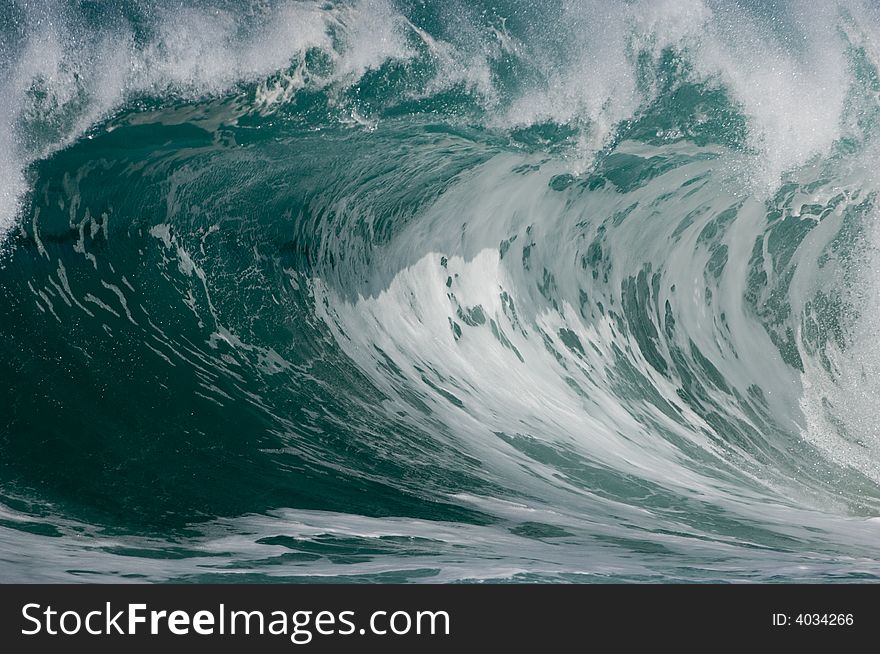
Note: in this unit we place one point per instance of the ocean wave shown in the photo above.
(434, 292)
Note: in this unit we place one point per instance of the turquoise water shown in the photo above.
(439, 291)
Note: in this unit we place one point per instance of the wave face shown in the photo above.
(386, 290)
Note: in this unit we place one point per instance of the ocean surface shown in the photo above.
(439, 291)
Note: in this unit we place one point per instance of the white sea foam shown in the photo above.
(69, 74)
(790, 74)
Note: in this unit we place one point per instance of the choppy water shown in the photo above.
(434, 291)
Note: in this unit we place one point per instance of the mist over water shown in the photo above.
(431, 292)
